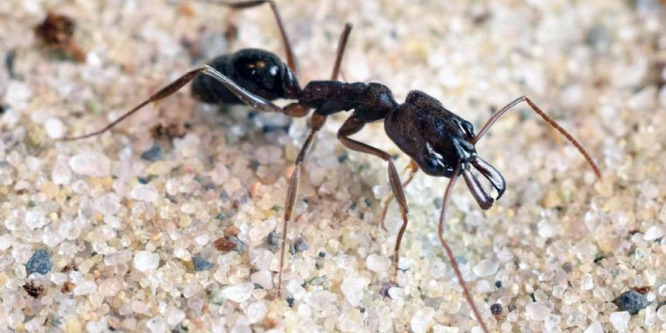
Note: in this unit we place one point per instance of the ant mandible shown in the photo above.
(438, 141)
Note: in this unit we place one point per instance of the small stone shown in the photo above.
(40, 262)
(239, 293)
(73, 325)
(61, 174)
(631, 301)
(264, 278)
(421, 319)
(174, 316)
(157, 325)
(352, 288)
(620, 320)
(110, 287)
(653, 233)
(108, 204)
(5, 242)
(299, 245)
(224, 245)
(34, 289)
(594, 328)
(144, 192)
(201, 264)
(91, 164)
(54, 128)
(145, 261)
(486, 268)
(496, 309)
(153, 154)
(538, 310)
(85, 287)
(377, 263)
(256, 311)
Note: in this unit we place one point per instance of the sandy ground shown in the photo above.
(135, 232)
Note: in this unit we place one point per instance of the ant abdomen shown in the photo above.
(258, 71)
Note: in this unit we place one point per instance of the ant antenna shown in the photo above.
(545, 117)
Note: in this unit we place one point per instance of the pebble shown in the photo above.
(496, 309)
(54, 128)
(352, 288)
(108, 204)
(538, 310)
(264, 278)
(238, 293)
(486, 268)
(594, 328)
(61, 173)
(256, 311)
(145, 261)
(153, 154)
(300, 245)
(85, 287)
(631, 301)
(201, 264)
(620, 320)
(653, 233)
(110, 287)
(91, 163)
(5, 242)
(144, 192)
(377, 263)
(421, 319)
(174, 315)
(157, 325)
(40, 262)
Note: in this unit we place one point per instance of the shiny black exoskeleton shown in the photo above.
(258, 71)
(435, 138)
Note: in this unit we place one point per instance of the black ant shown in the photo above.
(438, 141)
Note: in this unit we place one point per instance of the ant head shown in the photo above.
(263, 73)
(439, 141)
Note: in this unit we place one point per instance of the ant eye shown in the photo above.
(432, 163)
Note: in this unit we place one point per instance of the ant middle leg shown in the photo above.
(292, 62)
(244, 95)
(316, 123)
(352, 126)
(413, 169)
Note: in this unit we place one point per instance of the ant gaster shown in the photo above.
(438, 141)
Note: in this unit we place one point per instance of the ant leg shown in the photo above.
(291, 58)
(449, 253)
(354, 125)
(342, 44)
(545, 117)
(247, 97)
(413, 169)
(316, 123)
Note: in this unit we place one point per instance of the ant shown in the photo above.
(438, 141)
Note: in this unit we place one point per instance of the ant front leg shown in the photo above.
(316, 123)
(244, 95)
(291, 57)
(352, 126)
(413, 169)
